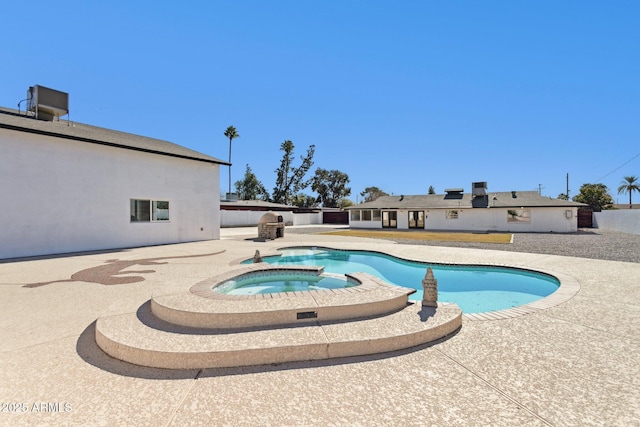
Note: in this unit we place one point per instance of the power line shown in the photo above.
(619, 167)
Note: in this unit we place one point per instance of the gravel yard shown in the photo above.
(586, 243)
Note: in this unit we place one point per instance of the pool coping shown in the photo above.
(568, 288)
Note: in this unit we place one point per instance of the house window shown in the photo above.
(355, 215)
(519, 215)
(375, 215)
(453, 214)
(160, 211)
(366, 215)
(416, 219)
(149, 210)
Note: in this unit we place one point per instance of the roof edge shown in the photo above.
(108, 144)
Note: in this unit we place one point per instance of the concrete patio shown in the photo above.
(577, 363)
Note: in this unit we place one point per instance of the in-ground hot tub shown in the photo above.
(269, 282)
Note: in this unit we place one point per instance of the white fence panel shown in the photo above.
(625, 221)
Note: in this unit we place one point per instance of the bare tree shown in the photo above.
(290, 180)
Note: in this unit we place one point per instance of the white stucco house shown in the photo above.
(69, 187)
(480, 210)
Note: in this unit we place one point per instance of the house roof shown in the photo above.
(510, 199)
(11, 119)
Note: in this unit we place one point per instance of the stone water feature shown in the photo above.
(430, 289)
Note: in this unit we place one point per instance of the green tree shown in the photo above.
(302, 200)
(250, 188)
(595, 195)
(372, 193)
(563, 196)
(289, 179)
(629, 185)
(345, 203)
(431, 190)
(331, 186)
(232, 134)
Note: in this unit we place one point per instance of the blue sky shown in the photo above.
(399, 95)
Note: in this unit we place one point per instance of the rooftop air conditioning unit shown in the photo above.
(479, 189)
(47, 103)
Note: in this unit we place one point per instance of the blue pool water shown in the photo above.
(475, 289)
(284, 282)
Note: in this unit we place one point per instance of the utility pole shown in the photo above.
(568, 198)
(540, 187)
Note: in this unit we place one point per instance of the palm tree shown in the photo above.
(230, 133)
(629, 185)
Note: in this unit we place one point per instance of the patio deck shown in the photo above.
(576, 363)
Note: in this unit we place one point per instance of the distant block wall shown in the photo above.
(624, 221)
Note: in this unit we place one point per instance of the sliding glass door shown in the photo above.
(416, 219)
(389, 219)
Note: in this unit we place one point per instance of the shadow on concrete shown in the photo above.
(110, 273)
(88, 350)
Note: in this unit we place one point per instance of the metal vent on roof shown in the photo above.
(479, 188)
(46, 103)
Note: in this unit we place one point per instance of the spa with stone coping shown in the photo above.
(202, 328)
(203, 307)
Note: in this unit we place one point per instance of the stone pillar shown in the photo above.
(430, 290)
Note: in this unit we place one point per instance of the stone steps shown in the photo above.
(203, 328)
(142, 339)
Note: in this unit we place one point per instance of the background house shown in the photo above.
(69, 187)
(480, 210)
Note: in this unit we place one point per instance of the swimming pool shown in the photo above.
(474, 288)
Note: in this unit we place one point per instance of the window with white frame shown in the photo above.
(355, 215)
(149, 210)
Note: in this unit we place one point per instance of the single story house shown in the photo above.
(70, 187)
(512, 211)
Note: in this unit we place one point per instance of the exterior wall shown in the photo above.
(63, 196)
(238, 218)
(495, 219)
(241, 218)
(489, 219)
(403, 219)
(625, 221)
(365, 224)
(307, 218)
